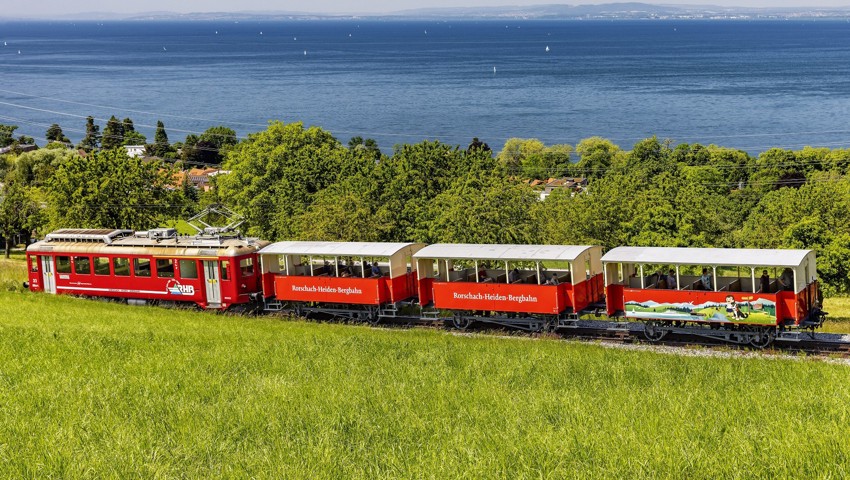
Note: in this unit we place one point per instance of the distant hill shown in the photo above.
(609, 11)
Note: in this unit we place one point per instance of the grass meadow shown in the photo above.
(103, 390)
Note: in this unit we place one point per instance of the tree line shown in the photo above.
(297, 182)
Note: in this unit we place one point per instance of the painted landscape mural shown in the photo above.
(751, 310)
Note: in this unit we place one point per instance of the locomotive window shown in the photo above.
(164, 268)
(142, 267)
(246, 265)
(34, 264)
(188, 269)
(63, 264)
(82, 265)
(121, 266)
(101, 266)
(225, 270)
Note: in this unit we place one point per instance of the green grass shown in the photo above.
(838, 320)
(93, 389)
(13, 272)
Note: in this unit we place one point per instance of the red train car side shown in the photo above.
(739, 295)
(524, 286)
(211, 271)
(362, 280)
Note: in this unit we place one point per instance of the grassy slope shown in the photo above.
(96, 389)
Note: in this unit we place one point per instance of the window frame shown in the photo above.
(59, 267)
(115, 267)
(136, 261)
(108, 266)
(168, 267)
(194, 269)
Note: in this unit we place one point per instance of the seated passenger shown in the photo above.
(764, 282)
(786, 280)
(553, 280)
(482, 276)
(514, 276)
(376, 270)
(705, 280)
(660, 280)
(671, 280)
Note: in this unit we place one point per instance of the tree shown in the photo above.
(55, 134)
(19, 212)
(91, 141)
(345, 211)
(131, 136)
(367, 148)
(476, 144)
(210, 147)
(596, 155)
(483, 208)
(276, 173)
(7, 133)
(160, 148)
(107, 189)
(113, 134)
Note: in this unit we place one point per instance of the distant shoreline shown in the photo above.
(604, 12)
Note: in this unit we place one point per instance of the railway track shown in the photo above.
(822, 344)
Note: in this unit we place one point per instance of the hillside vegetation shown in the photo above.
(94, 389)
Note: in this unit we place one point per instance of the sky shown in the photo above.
(53, 8)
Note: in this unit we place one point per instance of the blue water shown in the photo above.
(749, 85)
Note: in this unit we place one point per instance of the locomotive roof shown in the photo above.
(127, 241)
(336, 249)
(751, 257)
(458, 251)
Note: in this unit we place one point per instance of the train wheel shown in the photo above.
(762, 337)
(653, 331)
(460, 322)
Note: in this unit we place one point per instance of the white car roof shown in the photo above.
(335, 249)
(707, 256)
(459, 251)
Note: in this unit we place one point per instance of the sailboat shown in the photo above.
(547, 48)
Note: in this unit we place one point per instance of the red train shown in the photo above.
(211, 271)
(737, 295)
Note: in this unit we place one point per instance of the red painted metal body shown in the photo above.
(341, 290)
(790, 308)
(235, 287)
(210, 272)
(515, 298)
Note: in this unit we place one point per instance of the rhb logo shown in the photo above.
(176, 288)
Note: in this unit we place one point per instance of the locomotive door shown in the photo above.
(47, 274)
(213, 286)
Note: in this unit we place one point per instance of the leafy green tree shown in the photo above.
(91, 141)
(484, 209)
(19, 212)
(516, 151)
(160, 148)
(7, 133)
(131, 136)
(54, 134)
(275, 175)
(477, 144)
(113, 134)
(345, 211)
(409, 181)
(834, 265)
(367, 148)
(596, 155)
(110, 190)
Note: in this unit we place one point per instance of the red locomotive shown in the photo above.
(212, 271)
